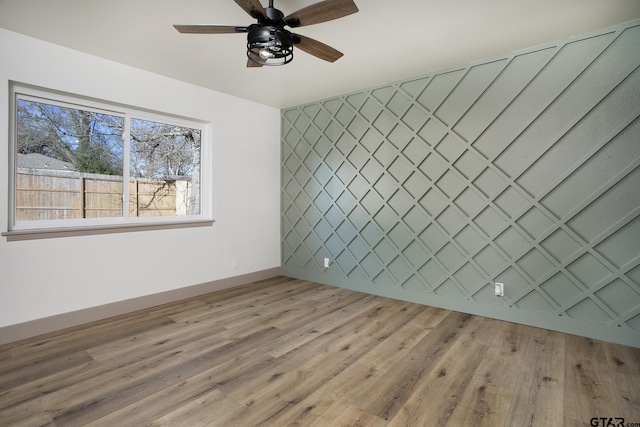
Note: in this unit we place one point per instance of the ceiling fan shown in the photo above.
(268, 42)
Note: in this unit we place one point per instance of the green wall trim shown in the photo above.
(522, 169)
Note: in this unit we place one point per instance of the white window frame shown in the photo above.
(20, 230)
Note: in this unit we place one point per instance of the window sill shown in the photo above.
(48, 233)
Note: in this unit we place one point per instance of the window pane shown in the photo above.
(69, 162)
(164, 168)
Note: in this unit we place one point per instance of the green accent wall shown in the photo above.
(522, 169)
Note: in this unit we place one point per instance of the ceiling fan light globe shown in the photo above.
(265, 54)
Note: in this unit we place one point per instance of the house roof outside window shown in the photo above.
(40, 161)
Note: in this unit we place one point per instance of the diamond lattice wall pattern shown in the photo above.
(523, 169)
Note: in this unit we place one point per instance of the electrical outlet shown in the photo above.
(234, 263)
(499, 289)
(326, 263)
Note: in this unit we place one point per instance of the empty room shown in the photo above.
(319, 213)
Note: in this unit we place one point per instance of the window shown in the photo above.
(80, 163)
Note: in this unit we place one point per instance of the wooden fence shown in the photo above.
(46, 195)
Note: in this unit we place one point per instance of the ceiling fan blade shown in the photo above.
(323, 11)
(251, 64)
(209, 29)
(316, 48)
(253, 8)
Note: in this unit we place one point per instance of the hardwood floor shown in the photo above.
(287, 352)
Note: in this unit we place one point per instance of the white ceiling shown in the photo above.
(384, 42)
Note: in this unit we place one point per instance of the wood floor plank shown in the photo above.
(82, 339)
(482, 404)
(353, 416)
(280, 313)
(365, 330)
(395, 387)
(404, 339)
(589, 390)
(39, 420)
(235, 303)
(71, 390)
(624, 367)
(111, 399)
(327, 316)
(274, 284)
(173, 398)
(83, 389)
(263, 295)
(201, 411)
(626, 397)
(361, 375)
(622, 359)
(253, 289)
(482, 329)
(82, 380)
(538, 399)
(437, 394)
(42, 368)
(328, 301)
(298, 375)
(283, 352)
(505, 357)
(489, 394)
(293, 321)
(117, 323)
(164, 337)
(312, 411)
(327, 401)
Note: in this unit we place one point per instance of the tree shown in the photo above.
(91, 141)
(93, 153)
(166, 152)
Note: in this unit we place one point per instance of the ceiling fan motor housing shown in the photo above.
(274, 14)
(268, 40)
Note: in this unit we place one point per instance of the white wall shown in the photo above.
(40, 278)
